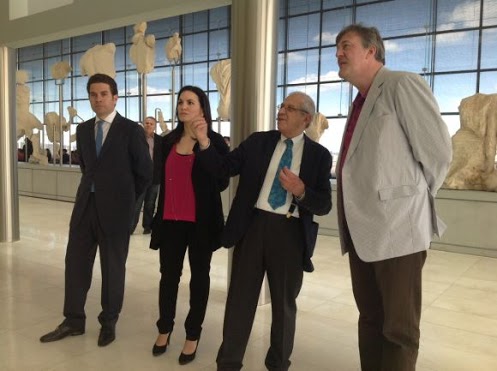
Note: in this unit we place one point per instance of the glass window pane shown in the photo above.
(330, 4)
(120, 58)
(450, 89)
(329, 67)
(53, 48)
(332, 137)
(396, 18)
(302, 6)
(194, 48)
(84, 109)
(51, 91)
(489, 48)
(489, 13)
(79, 87)
(219, 17)
(457, 14)
(36, 90)
(488, 82)
(219, 44)
(85, 42)
(116, 36)
(133, 109)
(76, 69)
(132, 83)
(159, 81)
(333, 22)
(334, 99)
(411, 54)
(197, 75)
(303, 32)
(30, 52)
(195, 22)
(453, 123)
(34, 69)
(456, 51)
(302, 66)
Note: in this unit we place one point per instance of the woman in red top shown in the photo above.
(189, 216)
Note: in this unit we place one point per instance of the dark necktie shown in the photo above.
(100, 136)
(277, 195)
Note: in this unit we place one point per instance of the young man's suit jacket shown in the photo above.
(120, 173)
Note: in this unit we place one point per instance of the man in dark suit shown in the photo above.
(149, 197)
(116, 167)
(271, 225)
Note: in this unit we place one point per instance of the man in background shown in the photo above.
(149, 197)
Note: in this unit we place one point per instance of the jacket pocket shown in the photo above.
(398, 192)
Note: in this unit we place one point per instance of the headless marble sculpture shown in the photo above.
(474, 145)
(163, 124)
(173, 48)
(317, 127)
(60, 70)
(99, 59)
(53, 130)
(142, 52)
(221, 74)
(26, 121)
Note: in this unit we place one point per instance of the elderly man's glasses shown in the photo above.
(290, 108)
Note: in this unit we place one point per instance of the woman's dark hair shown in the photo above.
(176, 134)
(102, 78)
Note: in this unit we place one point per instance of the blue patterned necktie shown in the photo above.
(277, 196)
(100, 136)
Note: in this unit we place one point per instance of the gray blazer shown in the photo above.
(397, 160)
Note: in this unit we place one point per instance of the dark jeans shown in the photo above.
(176, 237)
(147, 199)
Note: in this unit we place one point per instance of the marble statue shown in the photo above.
(474, 145)
(163, 124)
(52, 124)
(27, 123)
(99, 59)
(60, 70)
(317, 127)
(142, 52)
(221, 74)
(173, 48)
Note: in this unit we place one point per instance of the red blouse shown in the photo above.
(179, 200)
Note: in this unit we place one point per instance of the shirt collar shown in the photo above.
(295, 140)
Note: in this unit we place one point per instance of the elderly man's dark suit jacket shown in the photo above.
(120, 173)
(251, 160)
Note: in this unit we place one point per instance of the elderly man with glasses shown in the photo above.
(284, 181)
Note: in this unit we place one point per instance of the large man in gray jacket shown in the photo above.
(395, 154)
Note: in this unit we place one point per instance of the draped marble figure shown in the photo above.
(26, 121)
(142, 52)
(99, 59)
(173, 48)
(317, 127)
(474, 145)
(221, 74)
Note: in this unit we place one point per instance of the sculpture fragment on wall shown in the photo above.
(27, 123)
(474, 145)
(173, 48)
(99, 59)
(221, 74)
(317, 126)
(142, 52)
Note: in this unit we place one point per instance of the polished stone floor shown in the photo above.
(458, 330)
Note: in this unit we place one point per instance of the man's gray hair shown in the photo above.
(308, 103)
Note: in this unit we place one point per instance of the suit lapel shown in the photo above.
(305, 169)
(373, 94)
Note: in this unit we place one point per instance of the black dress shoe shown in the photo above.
(157, 350)
(107, 336)
(60, 333)
(187, 358)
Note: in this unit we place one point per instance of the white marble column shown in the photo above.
(9, 203)
(253, 76)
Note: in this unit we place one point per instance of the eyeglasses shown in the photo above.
(291, 109)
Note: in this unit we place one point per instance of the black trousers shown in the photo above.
(388, 296)
(148, 200)
(176, 237)
(272, 245)
(80, 257)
